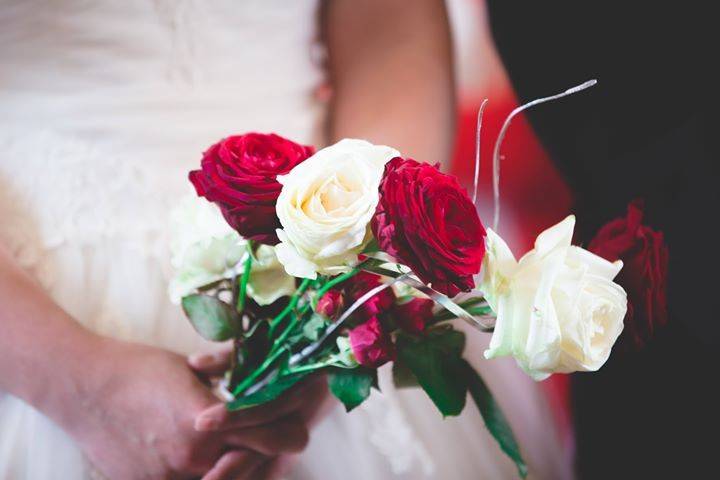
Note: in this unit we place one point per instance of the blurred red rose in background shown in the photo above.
(644, 274)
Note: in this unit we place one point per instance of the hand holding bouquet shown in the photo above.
(347, 258)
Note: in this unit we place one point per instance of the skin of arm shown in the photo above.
(37, 338)
(133, 409)
(391, 70)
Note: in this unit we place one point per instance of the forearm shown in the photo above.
(43, 351)
(390, 66)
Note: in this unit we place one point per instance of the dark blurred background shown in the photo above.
(645, 131)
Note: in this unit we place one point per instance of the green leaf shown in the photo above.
(314, 327)
(351, 385)
(495, 421)
(252, 351)
(268, 393)
(213, 319)
(474, 311)
(344, 353)
(402, 376)
(242, 289)
(372, 246)
(446, 339)
(435, 361)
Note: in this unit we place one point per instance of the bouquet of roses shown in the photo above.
(343, 259)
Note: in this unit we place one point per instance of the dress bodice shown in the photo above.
(104, 108)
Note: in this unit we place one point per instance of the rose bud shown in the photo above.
(359, 285)
(644, 275)
(426, 220)
(239, 174)
(370, 344)
(412, 316)
(330, 304)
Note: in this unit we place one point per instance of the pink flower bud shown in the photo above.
(371, 345)
(412, 316)
(330, 304)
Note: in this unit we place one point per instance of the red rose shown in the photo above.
(240, 173)
(426, 220)
(644, 274)
(371, 345)
(359, 285)
(412, 316)
(330, 304)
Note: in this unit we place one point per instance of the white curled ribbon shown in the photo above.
(330, 333)
(376, 265)
(484, 323)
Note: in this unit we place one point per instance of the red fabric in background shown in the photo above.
(532, 193)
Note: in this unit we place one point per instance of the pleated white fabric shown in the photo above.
(104, 108)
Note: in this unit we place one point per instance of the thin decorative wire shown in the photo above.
(476, 177)
(501, 137)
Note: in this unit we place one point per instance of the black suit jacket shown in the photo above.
(649, 129)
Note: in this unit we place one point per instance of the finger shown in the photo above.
(288, 435)
(235, 465)
(275, 468)
(218, 417)
(317, 402)
(211, 364)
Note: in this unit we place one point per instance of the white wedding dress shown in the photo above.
(104, 108)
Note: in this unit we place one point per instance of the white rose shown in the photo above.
(558, 310)
(326, 205)
(268, 279)
(206, 249)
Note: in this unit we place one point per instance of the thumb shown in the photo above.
(211, 364)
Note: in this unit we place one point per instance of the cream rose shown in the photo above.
(268, 279)
(558, 310)
(326, 205)
(206, 249)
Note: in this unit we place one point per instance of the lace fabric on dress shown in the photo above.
(66, 191)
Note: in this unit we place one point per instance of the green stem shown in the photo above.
(475, 311)
(237, 343)
(244, 279)
(309, 368)
(278, 348)
(471, 302)
(321, 291)
(290, 306)
(330, 284)
(286, 333)
(250, 379)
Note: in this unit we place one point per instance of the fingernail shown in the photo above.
(206, 424)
